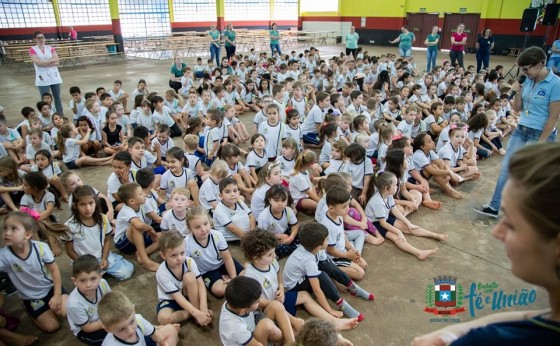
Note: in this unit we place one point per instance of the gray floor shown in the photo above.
(398, 280)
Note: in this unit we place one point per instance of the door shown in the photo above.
(450, 23)
(421, 24)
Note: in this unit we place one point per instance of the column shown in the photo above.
(220, 14)
(116, 22)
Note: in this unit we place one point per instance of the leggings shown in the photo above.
(456, 56)
(353, 51)
(327, 286)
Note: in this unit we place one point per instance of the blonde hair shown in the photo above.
(219, 169)
(412, 108)
(191, 141)
(183, 191)
(360, 137)
(114, 308)
(89, 103)
(266, 172)
(386, 131)
(304, 160)
(195, 212)
(490, 113)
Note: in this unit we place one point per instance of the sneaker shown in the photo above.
(486, 210)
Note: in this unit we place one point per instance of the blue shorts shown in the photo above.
(159, 170)
(311, 138)
(169, 304)
(128, 247)
(390, 220)
(36, 307)
(71, 165)
(290, 302)
(211, 277)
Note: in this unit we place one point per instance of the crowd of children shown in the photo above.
(353, 143)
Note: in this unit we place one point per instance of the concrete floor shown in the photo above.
(399, 281)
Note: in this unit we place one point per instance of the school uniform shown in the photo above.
(326, 150)
(359, 171)
(336, 166)
(114, 183)
(299, 185)
(163, 147)
(282, 225)
(72, 153)
(170, 181)
(377, 209)
(309, 129)
(420, 160)
(405, 128)
(259, 118)
(170, 222)
(236, 329)
(256, 161)
(53, 169)
(286, 165)
(209, 192)
(124, 218)
(238, 216)
(81, 311)
(30, 276)
(29, 202)
(144, 330)
(299, 105)
(168, 283)
(192, 110)
(447, 152)
(257, 199)
(296, 134)
(443, 138)
(274, 134)
(208, 258)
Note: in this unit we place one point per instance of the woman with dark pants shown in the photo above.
(229, 36)
(538, 102)
(530, 233)
(352, 42)
(484, 46)
(176, 74)
(458, 43)
(47, 77)
(215, 47)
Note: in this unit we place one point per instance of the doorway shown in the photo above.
(421, 24)
(450, 23)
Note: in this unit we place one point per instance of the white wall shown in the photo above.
(341, 28)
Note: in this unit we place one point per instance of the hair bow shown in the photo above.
(288, 109)
(379, 172)
(453, 126)
(397, 137)
(34, 214)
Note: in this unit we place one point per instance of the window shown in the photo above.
(205, 10)
(325, 6)
(285, 10)
(143, 18)
(84, 12)
(247, 10)
(26, 14)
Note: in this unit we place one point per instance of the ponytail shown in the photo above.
(304, 160)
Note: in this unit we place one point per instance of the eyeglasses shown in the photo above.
(525, 69)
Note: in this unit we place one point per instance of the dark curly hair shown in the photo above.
(256, 243)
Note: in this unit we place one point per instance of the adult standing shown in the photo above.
(230, 44)
(458, 43)
(530, 231)
(406, 39)
(554, 61)
(484, 46)
(47, 77)
(274, 39)
(176, 73)
(72, 33)
(432, 42)
(352, 42)
(215, 47)
(538, 102)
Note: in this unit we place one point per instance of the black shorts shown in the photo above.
(390, 220)
(211, 277)
(93, 339)
(36, 307)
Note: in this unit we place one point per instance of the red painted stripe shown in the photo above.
(116, 26)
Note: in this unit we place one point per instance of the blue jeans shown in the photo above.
(482, 61)
(521, 136)
(54, 89)
(431, 56)
(277, 47)
(215, 53)
(405, 52)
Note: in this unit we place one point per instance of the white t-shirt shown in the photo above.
(30, 275)
(163, 147)
(209, 192)
(170, 181)
(268, 279)
(447, 152)
(238, 216)
(257, 200)
(359, 171)
(269, 222)
(377, 208)
(274, 135)
(88, 239)
(255, 160)
(72, 152)
(80, 310)
(314, 117)
(144, 328)
(207, 257)
(300, 265)
(49, 171)
(168, 283)
(421, 160)
(236, 330)
(170, 222)
(286, 166)
(336, 238)
(41, 206)
(126, 215)
(299, 185)
(114, 183)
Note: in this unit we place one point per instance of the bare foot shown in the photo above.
(373, 240)
(345, 323)
(476, 176)
(424, 254)
(441, 237)
(435, 205)
(454, 194)
(148, 265)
